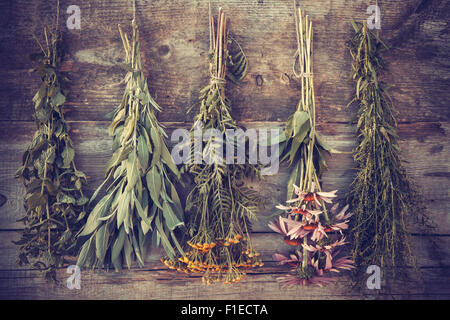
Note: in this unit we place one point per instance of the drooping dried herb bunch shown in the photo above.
(301, 145)
(220, 205)
(307, 225)
(141, 204)
(54, 200)
(382, 197)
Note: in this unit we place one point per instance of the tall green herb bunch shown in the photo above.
(381, 197)
(141, 204)
(54, 200)
(221, 207)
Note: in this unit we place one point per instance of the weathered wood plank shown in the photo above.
(175, 44)
(430, 251)
(423, 147)
(153, 283)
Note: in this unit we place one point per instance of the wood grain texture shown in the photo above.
(266, 243)
(423, 145)
(175, 45)
(174, 36)
(154, 283)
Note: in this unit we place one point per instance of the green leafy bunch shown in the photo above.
(54, 200)
(141, 204)
(220, 204)
(301, 145)
(382, 197)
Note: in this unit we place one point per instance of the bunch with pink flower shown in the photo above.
(316, 234)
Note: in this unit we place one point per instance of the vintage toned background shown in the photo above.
(175, 43)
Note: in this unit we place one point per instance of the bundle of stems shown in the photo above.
(382, 197)
(220, 205)
(309, 226)
(141, 204)
(54, 200)
(301, 145)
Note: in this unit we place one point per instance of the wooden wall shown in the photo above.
(175, 43)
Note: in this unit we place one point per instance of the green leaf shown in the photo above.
(289, 129)
(127, 250)
(58, 99)
(78, 184)
(140, 211)
(117, 249)
(177, 202)
(82, 201)
(64, 198)
(169, 161)
(118, 156)
(171, 219)
(157, 146)
(298, 140)
(293, 179)
(385, 134)
(143, 153)
(84, 252)
(299, 119)
(92, 221)
(101, 240)
(137, 250)
(132, 171)
(122, 208)
(164, 240)
(154, 185)
(37, 200)
(177, 244)
(156, 239)
(67, 155)
(325, 146)
(145, 227)
(80, 174)
(117, 119)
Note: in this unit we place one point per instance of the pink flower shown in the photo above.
(327, 250)
(319, 233)
(343, 263)
(312, 197)
(279, 226)
(282, 259)
(289, 228)
(340, 220)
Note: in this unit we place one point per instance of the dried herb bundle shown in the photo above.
(307, 225)
(141, 203)
(381, 197)
(54, 200)
(221, 206)
(301, 145)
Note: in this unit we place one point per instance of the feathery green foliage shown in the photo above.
(220, 205)
(382, 197)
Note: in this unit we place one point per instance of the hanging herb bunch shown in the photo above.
(381, 197)
(220, 205)
(54, 200)
(141, 204)
(301, 145)
(315, 233)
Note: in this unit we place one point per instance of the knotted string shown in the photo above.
(302, 74)
(217, 80)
